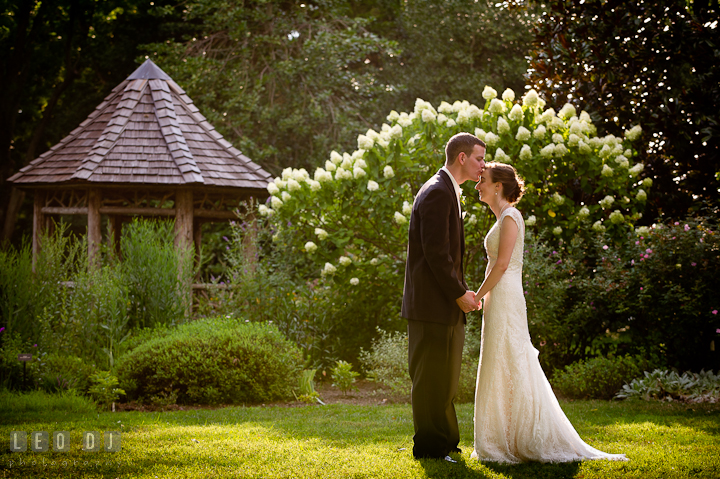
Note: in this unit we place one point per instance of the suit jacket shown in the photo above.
(436, 246)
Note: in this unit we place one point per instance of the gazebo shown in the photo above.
(145, 150)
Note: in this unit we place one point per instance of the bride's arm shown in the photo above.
(508, 234)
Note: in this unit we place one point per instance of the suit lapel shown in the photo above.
(451, 187)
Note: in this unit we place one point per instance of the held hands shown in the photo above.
(467, 302)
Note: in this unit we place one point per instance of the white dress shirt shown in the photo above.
(458, 191)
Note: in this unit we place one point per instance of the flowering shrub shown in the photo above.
(348, 219)
(653, 294)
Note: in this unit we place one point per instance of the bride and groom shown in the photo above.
(517, 417)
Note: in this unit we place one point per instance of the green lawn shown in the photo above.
(341, 441)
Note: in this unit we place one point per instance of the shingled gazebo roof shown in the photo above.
(147, 132)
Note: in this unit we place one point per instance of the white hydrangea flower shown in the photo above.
(584, 116)
(374, 261)
(388, 172)
(617, 217)
(531, 99)
(422, 105)
(359, 153)
(641, 195)
(622, 161)
(336, 157)
(508, 95)
(642, 231)
(567, 111)
(598, 226)
(372, 186)
(372, 134)
(557, 231)
(287, 173)
(276, 202)
(539, 132)
(393, 116)
(576, 128)
(404, 120)
(354, 281)
(561, 150)
(480, 133)
(341, 172)
(547, 151)
(531, 220)
(344, 261)
(360, 163)
(525, 153)
(441, 118)
(633, 133)
(584, 148)
(358, 172)
(573, 139)
(272, 188)
(264, 210)
(314, 185)
(407, 208)
(285, 196)
(605, 151)
(445, 107)
(501, 156)
(300, 175)
(557, 138)
(523, 134)
(491, 138)
(606, 171)
(328, 270)
(497, 106)
(450, 123)
(584, 212)
(503, 127)
(321, 233)
(637, 169)
(628, 153)
(557, 198)
(474, 113)
(293, 185)
(280, 183)
(595, 142)
(516, 113)
(647, 182)
(310, 247)
(383, 142)
(399, 218)
(607, 202)
(365, 142)
(428, 116)
(546, 116)
(556, 123)
(489, 93)
(472, 220)
(463, 117)
(330, 166)
(457, 106)
(319, 174)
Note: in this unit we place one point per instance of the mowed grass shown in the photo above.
(341, 441)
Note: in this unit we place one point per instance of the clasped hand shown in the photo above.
(467, 302)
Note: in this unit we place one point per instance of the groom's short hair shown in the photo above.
(462, 142)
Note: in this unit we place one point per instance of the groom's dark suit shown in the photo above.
(436, 324)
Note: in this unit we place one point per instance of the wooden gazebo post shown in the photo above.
(94, 236)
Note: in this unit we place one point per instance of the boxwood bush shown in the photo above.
(212, 361)
(598, 378)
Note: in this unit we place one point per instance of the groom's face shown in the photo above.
(474, 163)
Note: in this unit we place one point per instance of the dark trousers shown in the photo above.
(434, 358)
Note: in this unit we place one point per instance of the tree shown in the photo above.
(652, 63)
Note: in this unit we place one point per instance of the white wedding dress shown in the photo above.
(517, 417)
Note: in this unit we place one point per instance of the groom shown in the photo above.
(436, 297)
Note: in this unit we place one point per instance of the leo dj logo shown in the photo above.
(91, 441)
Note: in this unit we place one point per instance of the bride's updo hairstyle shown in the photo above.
(513, 186)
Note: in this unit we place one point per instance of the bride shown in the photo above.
(517, 417)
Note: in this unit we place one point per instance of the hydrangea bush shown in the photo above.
(348, 219)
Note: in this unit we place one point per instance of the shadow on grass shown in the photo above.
(437, 468)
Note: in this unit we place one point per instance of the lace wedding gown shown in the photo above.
(517, 417)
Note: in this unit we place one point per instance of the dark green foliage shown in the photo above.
(654, 292)
(648, 62)
(213, 361)
(598, 378)
(58, 372)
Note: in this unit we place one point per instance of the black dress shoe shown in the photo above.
(450, 459)
(457, 450)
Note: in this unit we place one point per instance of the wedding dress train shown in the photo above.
(517, 416)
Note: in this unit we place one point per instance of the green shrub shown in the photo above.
(387, 364)
(59, 372)
(211, 361)
(597, 378)
(104, 390)
(343, 376)
(669, 385)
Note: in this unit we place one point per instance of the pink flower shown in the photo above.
(676, 223)
(648, 251)
(543, 343)
(605, 247)
(693, 264)
(641, 288)
(673, 237)
(632, 261)
(637, 242)
(714, 311)
(687, 228)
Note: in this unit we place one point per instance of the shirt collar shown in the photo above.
(458, 191)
